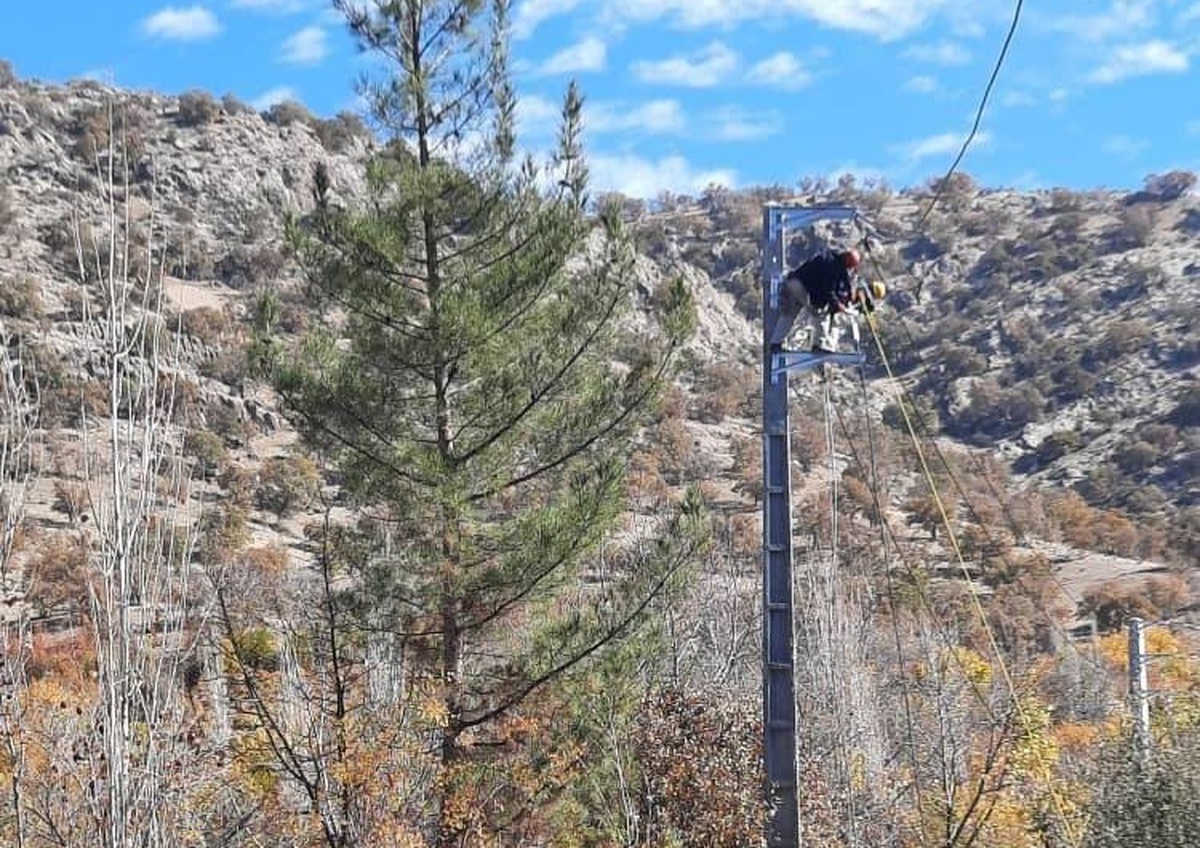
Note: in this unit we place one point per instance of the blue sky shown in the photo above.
(681, 93)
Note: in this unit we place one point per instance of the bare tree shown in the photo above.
(328, 697)
(138, 573)
(18, 439)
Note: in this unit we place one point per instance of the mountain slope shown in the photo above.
(1053, 330)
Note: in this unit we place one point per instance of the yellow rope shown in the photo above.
(950, 534)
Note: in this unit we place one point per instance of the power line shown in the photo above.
(1012, 29)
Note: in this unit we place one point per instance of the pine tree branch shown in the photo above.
(526, 590)
(354, 447)
(536, 397)
(582, 446)
(609, 636)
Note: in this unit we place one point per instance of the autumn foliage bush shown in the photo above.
(700, 764)
(288, 484)
(205, 323)
(197, 108)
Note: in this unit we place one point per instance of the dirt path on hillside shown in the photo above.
(184, 295)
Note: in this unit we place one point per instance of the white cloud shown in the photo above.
(1120, 19)
(943, 144)
(194, 23)
(273, 96)
(1191, 13)
(1013, 99)
(306, 47)
(942, 53)
(732, 123)
(780, 70)
(921, 84)
(277, 6)
(654, 116)
(586, 55)
(1125, 147)
(637, 177)
(537, 116)
(885, 19)
(701, 69)
(1150, 57)
(532, 13)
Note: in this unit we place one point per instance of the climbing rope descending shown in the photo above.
(1011, 521)
(890, 588)
(831, 453)
(952, 537)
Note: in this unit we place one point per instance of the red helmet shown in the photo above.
(851, 258)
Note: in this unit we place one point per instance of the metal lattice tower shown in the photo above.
(778, 627)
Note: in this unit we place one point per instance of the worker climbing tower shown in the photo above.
(778, 626)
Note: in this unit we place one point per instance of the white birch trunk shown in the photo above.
(18, 438)
(139, 571)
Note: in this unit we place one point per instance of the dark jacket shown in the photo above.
(826, 279)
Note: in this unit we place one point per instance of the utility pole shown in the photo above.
(1139, 696)
(778, 626)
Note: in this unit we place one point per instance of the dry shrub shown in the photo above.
(229, 366)
(246, 266)
(1134, 228)
(1114, 603)
(673, 403)
(172, 481)
(67, 401)
(269, 561)
(20, 298)
(124, 125)
(206, 324)
(207, 450)
(700, 772)
(645, 481)
(197, 108)
(712, 492)
(808, 442)
(747, 467)
(1093, 529)
(858, 498)
(223, 532)
(725, 389)
(1168, 594)
(289, 112)
(58, 574)
(239, 484)
(69, 656)
(675, 450)
(228, 421)
(288, 484)
(234, 105)
(71, 499)
(339, 132)
(181, 396)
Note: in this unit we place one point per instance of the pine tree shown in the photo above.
(475, 382)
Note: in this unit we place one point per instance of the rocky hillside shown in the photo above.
(1054, 331)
